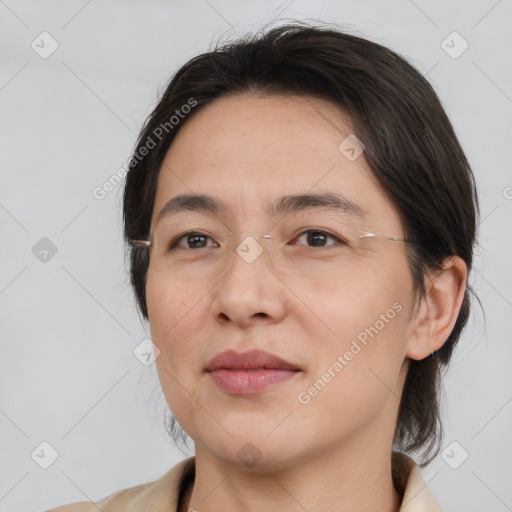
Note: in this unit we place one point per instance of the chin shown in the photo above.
(255, 452)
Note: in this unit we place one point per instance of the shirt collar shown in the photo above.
(165, 494)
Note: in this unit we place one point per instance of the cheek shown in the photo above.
(175, 330)
(356, 378)
(354, 299)
(174, 310)
(171, 302)
(366, 317)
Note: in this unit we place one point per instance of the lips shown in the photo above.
(252, 360)
(249, 372)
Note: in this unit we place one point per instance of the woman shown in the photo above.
(302, 220)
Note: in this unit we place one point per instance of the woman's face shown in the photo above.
(337, 313)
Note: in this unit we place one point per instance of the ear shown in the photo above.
(436, 316)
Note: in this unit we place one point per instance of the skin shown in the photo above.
(333, 453)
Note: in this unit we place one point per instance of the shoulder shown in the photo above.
(409, 482)
(83, 506)
(111, 503)
(160, 496)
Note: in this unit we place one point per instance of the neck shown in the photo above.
(353, 478)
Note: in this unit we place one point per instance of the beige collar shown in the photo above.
(162, 495)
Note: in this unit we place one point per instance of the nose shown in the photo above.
(250, 292)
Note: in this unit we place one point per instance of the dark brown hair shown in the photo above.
(411, 148)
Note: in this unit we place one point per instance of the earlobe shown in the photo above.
(438, 311)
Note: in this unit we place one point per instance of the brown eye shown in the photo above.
(318, 238)
(193, 239)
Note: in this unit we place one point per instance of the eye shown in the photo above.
(195, 238)
(318, 237)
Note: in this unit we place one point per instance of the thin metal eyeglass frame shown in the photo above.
(364, 234)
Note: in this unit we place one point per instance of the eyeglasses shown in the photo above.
(349, 240)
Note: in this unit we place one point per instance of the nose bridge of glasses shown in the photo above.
(249, 245)
(255, 234)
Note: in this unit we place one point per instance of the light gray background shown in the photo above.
(69, 326)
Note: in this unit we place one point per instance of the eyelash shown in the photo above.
(188, 234)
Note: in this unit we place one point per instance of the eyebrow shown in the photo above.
(203, 203)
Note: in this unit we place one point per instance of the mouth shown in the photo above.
(249, 372)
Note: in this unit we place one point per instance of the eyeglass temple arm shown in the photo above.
(140, 243)
(366, 234)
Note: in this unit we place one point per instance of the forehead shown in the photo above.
(253, 128)
(248, 150)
